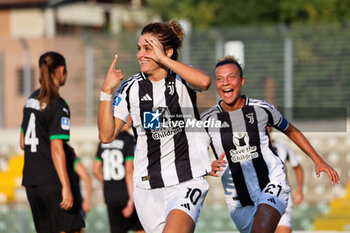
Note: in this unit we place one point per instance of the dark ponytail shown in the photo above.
(48, 63)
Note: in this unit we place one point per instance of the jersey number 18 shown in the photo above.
(113, 168)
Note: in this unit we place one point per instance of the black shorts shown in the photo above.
(118, 223)
(48, 216)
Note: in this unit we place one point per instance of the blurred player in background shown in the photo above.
(45, 129)
(79, 172)
(254, 181)
(286, 155)
(114, 167)
(83, 174)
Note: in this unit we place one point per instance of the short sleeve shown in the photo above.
(276, 119)
(129, 149)
(76, 161)
(99, 152)
(120, 106)
(59, 125)
(206, 117)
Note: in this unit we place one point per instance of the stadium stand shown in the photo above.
(11, 179)
(322, 200)
(338, 216)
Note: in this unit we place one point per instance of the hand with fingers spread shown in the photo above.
(113, 77)
(158, 49)
(332, 174)
(217, 165)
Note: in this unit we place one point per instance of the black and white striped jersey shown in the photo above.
(166, 153)
(285, 153)
(243, 137)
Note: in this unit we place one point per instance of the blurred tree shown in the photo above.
(207, 13)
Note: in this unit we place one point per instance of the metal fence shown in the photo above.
(306, 66)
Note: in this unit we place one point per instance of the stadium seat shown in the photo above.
(11, 179)
(338, 216)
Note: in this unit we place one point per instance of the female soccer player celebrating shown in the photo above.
(170, 161)
(254, 181)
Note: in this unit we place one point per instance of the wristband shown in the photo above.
(105, 97)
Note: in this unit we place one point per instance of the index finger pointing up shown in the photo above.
(114, 62)
(222, 155)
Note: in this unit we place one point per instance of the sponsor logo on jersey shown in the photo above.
(224, 125)
(117, 100)
(272, 200)
(158, 121)
(243, 151)
(151, 120)
(186, 205)
(163, 124)
(65, 123)
(146, 97)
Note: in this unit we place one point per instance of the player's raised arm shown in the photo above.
(108, 126)
(196, 78)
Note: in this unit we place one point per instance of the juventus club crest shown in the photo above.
(171, 88)
(250, 117)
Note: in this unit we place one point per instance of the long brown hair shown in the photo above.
(48, 63)
(169, 34)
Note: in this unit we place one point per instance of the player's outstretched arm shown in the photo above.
(321, 166)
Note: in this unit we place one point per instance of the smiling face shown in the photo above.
(228, 83)
(145, 54)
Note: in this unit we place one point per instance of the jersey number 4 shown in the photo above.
(30, 136)
(113, 167)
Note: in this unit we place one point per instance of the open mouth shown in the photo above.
(227, 93)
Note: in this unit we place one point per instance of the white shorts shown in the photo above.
(286, 219)
(274, 194)
(154, 205)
